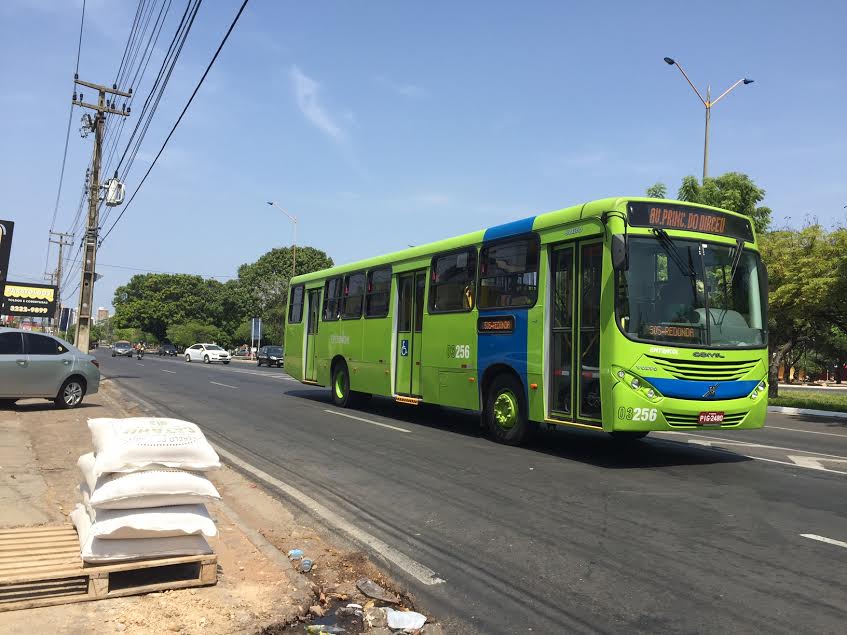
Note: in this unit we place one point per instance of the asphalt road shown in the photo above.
(698, 532)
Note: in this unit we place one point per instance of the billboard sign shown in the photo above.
(256, 328)
(28, 299)
(65, 319)
(6, 229)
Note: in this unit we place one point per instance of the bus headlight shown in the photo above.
(636, 383)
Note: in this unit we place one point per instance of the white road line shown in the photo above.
(139, 363)
(376, 423)
(814, 463)
(217, 383)
(750, 444)
(829, 434)
(829, 541)
(172, 372)
(421, 573)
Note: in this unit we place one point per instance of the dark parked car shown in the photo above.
(270, 355)
(122, 349)
(167, 350)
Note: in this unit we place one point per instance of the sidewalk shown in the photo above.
(257, 586)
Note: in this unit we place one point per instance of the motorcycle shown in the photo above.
(139, 354)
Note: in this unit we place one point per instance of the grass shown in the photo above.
(812, 399)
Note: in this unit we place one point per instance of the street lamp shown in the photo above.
(293, 219)
(708, 103)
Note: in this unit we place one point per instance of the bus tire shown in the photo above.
(627, 436)
(505, 412)
(340, 386)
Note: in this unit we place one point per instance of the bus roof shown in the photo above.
(541, 221)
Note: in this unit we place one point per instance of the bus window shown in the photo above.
(295, 311)
(451, 285)
(354, 290)
(508, 275)
(332, 299)
(379, 286)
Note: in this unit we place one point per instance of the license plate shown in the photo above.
(710, 418)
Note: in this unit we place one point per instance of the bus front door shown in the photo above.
(311, 334)
(411, 291)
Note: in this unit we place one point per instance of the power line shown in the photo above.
(179, 119)
(67, 138)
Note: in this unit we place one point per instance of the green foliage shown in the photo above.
(812, 399)
(657, 190)
(193, 332)
(158, 307)
(733, 191)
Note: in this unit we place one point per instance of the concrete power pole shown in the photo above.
(86, 285)
(64, 241)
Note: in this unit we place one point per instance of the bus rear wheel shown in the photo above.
(340, 386)
(505, 411)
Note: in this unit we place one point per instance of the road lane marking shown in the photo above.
(750, 444)
(829, 541)
(829, 434)
(217, 383)
(376, 423)
(814, 463)
(421, 573)
(172, 372)
(139, 363)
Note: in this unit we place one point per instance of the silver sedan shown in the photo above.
(35, 365)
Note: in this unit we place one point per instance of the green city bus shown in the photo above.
(624, 315)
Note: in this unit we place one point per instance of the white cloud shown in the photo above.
(307, 91)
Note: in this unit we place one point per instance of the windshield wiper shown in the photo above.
(673, 253)
(733, 269)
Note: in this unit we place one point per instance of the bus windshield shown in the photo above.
(672, 285)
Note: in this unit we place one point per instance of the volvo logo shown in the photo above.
(713, 390)
(703, 354)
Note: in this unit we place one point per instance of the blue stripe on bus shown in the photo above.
(515, 228)
(505, 348)
(687, 389)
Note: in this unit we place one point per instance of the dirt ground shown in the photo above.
(258, 589)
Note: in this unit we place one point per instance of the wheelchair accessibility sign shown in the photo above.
(404, 348)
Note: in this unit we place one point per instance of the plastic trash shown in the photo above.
(404, 619)
(305, 565)
(373, 590)
(295, 554)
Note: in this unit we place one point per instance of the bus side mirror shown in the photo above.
(620, 260)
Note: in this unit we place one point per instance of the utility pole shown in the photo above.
(86, 285)
(64, 240)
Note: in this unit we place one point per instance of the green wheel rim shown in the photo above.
(506, 410)
(339, 384)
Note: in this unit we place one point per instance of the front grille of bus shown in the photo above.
(704, 370)
(680, 420)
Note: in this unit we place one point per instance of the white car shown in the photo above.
(207, 353)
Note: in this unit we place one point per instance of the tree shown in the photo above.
(657, 190)
(193, 332)
(265, 284)
(733, 191)
(806, 291)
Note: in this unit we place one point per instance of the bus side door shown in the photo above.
(411, 294)
(312, 334)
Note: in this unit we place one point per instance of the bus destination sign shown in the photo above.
(694, 219)
(496, 324)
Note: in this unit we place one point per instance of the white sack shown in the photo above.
(97, 550)
(154, 522)
(134, 443)
(147, 488)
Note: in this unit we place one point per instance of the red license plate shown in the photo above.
(710, 418)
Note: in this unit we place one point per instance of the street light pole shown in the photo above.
(293, 219)
(707, 103)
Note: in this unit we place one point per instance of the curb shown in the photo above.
(787, 410)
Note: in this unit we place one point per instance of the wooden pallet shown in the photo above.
(41, 566)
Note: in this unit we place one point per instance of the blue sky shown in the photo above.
(383, 124)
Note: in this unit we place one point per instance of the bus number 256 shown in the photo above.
(458, 351)
(637, 414)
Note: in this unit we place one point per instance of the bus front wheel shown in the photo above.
(505, 410)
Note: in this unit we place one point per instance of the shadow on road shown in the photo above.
(36, 406)
(586, 446)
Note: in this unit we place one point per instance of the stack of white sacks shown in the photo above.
(143, 490)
